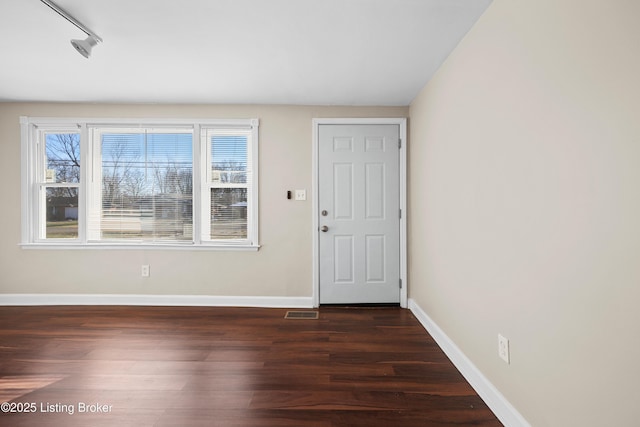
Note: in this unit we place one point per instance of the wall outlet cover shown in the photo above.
(503, 348)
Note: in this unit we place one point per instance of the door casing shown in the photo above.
(402, 123)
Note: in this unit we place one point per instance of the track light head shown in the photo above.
(84, 46)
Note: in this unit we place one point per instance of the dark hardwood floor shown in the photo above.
(202, 366)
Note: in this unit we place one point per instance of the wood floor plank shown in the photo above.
(240, 418)
(223, 366)
(259, 381)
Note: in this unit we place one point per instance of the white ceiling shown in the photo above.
(322, 52)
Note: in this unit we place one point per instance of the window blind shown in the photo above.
(229, 184)
(146, 186)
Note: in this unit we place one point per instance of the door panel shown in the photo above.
(375, 258)
(359, 190)
(343, 267)
(374, 192)
(343, 191)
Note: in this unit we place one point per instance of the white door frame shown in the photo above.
(402, 123)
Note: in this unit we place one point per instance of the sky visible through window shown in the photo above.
(131, 182)
(145, 154)
(229, 158)
(147, 183)
(140, 150)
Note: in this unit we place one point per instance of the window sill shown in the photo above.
(143, 246)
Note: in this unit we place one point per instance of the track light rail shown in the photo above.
(60, 11)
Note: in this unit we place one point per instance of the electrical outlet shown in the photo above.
(145, 270)
(301, 194)
(503, 348)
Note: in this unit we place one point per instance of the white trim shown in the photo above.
(500, 406)
(199, 148)
(402, 123)
(315, 219)
(253, 224)
(26, 180)
(404, 276)
(31, 127)
(146, 122)
(154, 300)
(141, 246)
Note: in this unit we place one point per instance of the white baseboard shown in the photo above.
(155, 300)
(500, 406)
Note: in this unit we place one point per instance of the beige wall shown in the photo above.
(525, 206)
(281, 268)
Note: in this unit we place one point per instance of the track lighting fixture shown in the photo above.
(82, 46)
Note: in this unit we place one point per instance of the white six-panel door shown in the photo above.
(359, 213)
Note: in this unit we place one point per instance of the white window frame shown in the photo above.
(38, 197)
(208, 183)
(32, 180)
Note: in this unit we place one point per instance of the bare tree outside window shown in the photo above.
(147, 186)
(117, 172)
(62, 178)
(112, 182)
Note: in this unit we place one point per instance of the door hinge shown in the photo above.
(400, 216)
(399, 142)
(400, 283)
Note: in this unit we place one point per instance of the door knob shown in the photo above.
(324, 228)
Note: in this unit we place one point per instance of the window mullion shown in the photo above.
(228, 185)
(205, 183)
(197, 183)
(85, 169)
(94, 185)
(252, 208)
(39, 199)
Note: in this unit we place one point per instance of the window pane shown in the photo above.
(63, 157)
(229, 159)
(147, 186)
(62, 213)
(228, 213)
